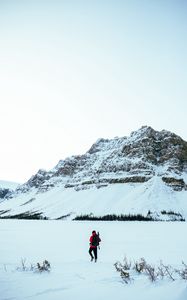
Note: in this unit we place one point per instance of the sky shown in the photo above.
(73, 71)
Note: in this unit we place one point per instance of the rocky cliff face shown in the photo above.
(136, 159)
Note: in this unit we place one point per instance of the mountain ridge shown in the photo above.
(145, 159)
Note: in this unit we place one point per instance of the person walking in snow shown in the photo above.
(94, 243)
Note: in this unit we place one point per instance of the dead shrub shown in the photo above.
(123, 272)
(39, 267)
(183, 273)
(44, 267)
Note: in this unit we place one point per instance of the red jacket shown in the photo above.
(91, 240)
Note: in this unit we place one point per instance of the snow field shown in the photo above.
(153, 195)
(65, 245)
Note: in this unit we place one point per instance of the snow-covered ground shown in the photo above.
(65, 245)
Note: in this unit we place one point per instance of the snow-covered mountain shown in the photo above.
(145, 173)
(6, 188)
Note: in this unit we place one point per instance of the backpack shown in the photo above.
(95, 240)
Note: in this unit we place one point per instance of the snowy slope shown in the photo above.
(152, 196)
(143, 173)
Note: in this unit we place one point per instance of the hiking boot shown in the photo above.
(92, 259)
(95, 259)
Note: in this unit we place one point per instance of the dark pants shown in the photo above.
(94, 250)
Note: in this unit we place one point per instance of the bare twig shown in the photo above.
(168, 271)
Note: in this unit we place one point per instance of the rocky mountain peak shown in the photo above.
(144, 131)
(157, 147)
(136, 158)
(149, 132)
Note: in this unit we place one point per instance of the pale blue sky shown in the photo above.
(74, 71)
